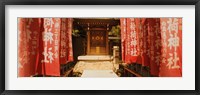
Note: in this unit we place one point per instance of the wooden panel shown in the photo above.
(88, 42)
(97, 42)
(97, 38)
(96, 51)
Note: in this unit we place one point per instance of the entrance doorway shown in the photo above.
(97, 43)
(96, 36)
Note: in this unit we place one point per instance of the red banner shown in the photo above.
(140, 48)
(153, 42)
(49, 63)
(127, 42)
(28, 45)
(171, 64)
(66, 50)
(155, 45)
(123, 37)
(133, 41)
(70, 48)
(43, 44)
(22, 51)
(63, 41)
(146, 42)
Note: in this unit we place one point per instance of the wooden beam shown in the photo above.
(97, 21)
(95, 29)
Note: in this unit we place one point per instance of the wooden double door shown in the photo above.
(97, 43)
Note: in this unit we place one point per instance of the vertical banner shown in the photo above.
(127, 42)
(130, 39)
(63, 41)
(140, 37)
(123, 37)
(22, 49)
(43, 44)
(146, 42)
(133, 41)
(33, 29)
(69, 35)
(28, 40)
(171, 64)
(156, 42)
(49, 47)
(155, 45)
(179, 50)
(66, 51)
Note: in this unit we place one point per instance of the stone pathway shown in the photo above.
(94, 65)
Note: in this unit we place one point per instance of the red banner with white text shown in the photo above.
(155, 45)
(153, 42)
(49, 62)
(123, 37)
(28, 38)
(171, 64)
(43, 44)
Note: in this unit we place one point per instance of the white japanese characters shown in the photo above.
(50, 39)
(133, 37)
(170, 28)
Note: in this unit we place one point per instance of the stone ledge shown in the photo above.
(95, 57)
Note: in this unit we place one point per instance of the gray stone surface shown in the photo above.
(93, 65)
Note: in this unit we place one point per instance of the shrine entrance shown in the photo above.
(97, 43)
(96, 34)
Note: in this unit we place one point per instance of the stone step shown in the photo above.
(93, 65)
(95, 57)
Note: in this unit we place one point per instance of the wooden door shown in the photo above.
(97, 42)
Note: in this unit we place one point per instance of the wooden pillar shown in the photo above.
(107, 52)
(107, 42)
(88, 39)
(88, 42)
